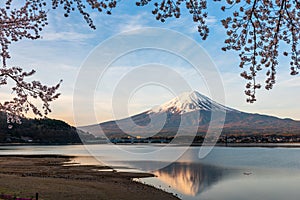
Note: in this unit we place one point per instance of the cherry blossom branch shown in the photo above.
(165, 9)
(267, 23)
(24, 93)
(16, 24)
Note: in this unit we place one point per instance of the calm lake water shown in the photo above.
(225, 174)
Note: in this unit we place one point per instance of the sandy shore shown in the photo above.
(46, 175)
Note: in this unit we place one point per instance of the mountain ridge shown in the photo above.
(196, 110)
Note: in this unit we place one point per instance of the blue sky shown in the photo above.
(67, 42)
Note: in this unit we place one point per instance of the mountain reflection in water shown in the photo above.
(191, 178)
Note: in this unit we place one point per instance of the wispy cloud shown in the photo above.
(133, 22)
(66, 36)
(291, 81)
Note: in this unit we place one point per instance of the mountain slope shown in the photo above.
(41, 131)
(193, 111)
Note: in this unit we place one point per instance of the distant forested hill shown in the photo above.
(43, 131)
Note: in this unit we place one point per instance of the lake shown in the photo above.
(239, 173)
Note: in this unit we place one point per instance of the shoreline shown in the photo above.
(263, 145)
(26, 175)
(271, 145)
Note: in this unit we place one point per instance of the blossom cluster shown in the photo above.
(24, 94)
(81, 6)
(168, 8)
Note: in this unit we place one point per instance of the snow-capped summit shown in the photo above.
(188, 102)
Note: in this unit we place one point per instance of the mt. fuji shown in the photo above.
(189, 102)
(193, 111)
